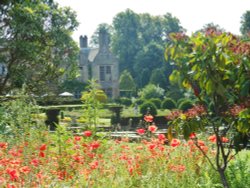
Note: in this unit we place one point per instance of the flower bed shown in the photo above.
(88, 161)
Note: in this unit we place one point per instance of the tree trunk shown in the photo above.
(223, 178)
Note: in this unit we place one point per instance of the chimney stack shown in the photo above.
(83, 41)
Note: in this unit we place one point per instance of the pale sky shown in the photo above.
(193, 14)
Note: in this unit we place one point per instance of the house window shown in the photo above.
(108, 69)
(105, 73)
(102, 73)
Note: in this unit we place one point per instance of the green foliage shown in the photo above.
(245, 23)
(139, 101)
(158, 77)
(238, 171)
(156, 102)
(72, 86)
(93, 100)
(139, 41)
(151, 91)
(168, 103)
(127, 83)
(215, 65)
(18, 119)
(185, 105)
(39, 34)
(125, 101)
(148, 107)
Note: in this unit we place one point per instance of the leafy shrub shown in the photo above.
(156, 102)
(148, 105)
(151, 91)
(179, 101)
(185, 105)
(125, 101)
(168, 103)
(98, 95)
(139, 101)
(238, 171)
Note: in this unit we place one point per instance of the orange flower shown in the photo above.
(3, 145)
(152, 128)
(148, 118)
(175, 142)
(178, 168)
(212, 138)
(224, 139)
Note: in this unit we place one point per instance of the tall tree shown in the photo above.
(125, 39)
(94, 42)
(127, 83)
(36, 44)
(245, 23)
(171, 24)
(158, 78)
(150, 56)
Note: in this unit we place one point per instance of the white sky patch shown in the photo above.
(193, 14)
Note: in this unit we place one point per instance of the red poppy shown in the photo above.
(13, 174)
(87, 133)
(2, 180)
(94, 145)
(93, 165)
(151, 146)
(11, 186)
(224, 139)
(152, 128)
(212, 138)
(77, 138)
(148, 118)
(175, 142)
(161, 137)
(41, 154)
(43, 147)
(192, 135)
(140, 131)
(34, 162)
(25, 169)
(3, 145)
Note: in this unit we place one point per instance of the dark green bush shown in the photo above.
(125, 101)
(156, 102)
(180, 101)
(168, 103)
(185, 105)
(148, 105)
(139, 101)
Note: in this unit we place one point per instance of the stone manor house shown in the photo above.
(99, 64)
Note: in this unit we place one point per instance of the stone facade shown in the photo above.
(99, 64)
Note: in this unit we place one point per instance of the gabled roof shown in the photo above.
(92, 54)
